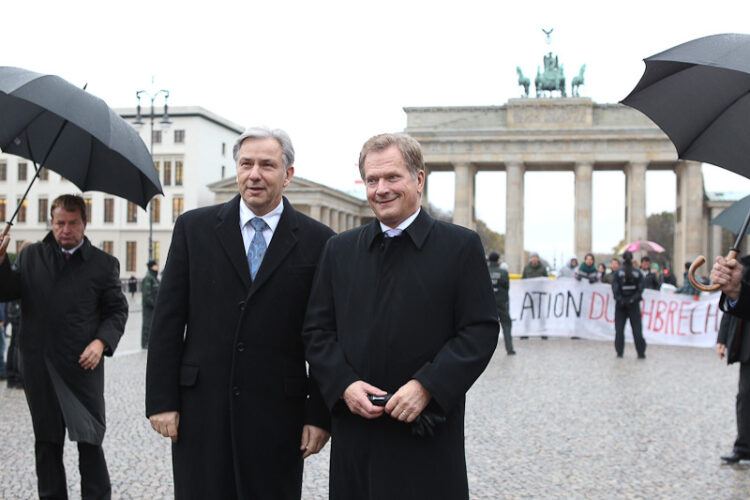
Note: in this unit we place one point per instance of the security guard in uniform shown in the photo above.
(500, 285)
(150, 289)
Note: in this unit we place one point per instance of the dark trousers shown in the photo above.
(506, 323)
(742, 444)
(13, 365)
(50, 470)
(633, 313)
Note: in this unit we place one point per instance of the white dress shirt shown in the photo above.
(406, 223)
(271, 219)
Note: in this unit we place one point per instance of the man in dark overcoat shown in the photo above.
(501, 287)
(733, 341)
(73, 313)
(401, 306)
(226, 376)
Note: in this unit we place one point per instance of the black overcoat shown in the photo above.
(734, 332)
(228, 355)
(65, 305)
(385, 311)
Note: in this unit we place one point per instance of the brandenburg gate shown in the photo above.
(558, 134)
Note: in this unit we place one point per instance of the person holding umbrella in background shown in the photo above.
(74, 313)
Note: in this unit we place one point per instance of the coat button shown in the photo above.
(241, 305)
(240, 347)
(236, 390)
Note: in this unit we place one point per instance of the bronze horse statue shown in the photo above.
(523, 81)
(577, 82)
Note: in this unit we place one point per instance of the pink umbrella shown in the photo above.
(642, 246)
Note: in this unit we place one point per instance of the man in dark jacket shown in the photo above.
(535, 268)
(74, 312)
(401, 306)
(501, 286)
(650, 280)
(226, 378)
(149, 291)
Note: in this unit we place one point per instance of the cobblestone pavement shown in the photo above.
(561, 419)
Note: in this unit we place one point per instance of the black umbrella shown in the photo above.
(698, 93)
(63, 128)
(734, 215)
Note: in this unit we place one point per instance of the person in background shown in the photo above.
(601, 272)
(587, 270)
(650, 279)
(534, 268)
(149, 292)
(569, 269)
(627, 288)
(501, 286)
(3, 326)
(687, 288)
(668, 277)
(614, 266)
(132, 285)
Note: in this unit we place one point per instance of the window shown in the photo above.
(21, 217)
(157, 250)
(157, 136)
(3, 171)
(109, 209)
(109, 247)
(3, 209)
(156, 210)
(178, 204)
(167, 173)
(89, 208)
(178, 173)
(43, 204)
(132, 212)
(223, 171)
(43, 174)
(223, 149)
(179, 136)
(22, 171)
(157, 165)
(130, 256)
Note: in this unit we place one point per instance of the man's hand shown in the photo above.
(720, 350)
(4, 242)
(166, 424)
(355, 397)
(728, 274)
(91, 356)
(313, 440)
(408, 402)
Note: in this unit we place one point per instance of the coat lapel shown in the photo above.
(230, 236)
(282, 242)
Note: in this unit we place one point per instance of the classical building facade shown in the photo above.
(568, 134)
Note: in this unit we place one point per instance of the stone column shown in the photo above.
(325, 216)
(688, 238)
(583, 192)
(349, 221)
(333, 216)
(463, 210)
(316, 212)
(342, 222)
(635, 202)
(714, 248)
(514, 216)
(425, 200)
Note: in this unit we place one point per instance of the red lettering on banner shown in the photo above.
(682, 316)
(692, 314)
(715, 316)
(597, 298)
(673, 306)
(645, 312)
(661, 308)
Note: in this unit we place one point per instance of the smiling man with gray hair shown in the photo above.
(226, 377)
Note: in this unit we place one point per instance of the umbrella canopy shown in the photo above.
(698, 93)
(734, 215)
(52, 122)
(641, 246)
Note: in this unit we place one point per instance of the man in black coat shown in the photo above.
(73, 313)
(401, 306)
(226, 378)
(733, 342)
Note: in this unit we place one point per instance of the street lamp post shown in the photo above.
(165, 122)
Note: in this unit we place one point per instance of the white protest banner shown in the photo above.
(566, 307)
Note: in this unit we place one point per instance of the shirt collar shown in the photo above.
(271, 218)
(72, 250)
(404, 224)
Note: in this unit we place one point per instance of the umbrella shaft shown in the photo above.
(741, 234)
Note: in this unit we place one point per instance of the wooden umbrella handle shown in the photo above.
(699, 261)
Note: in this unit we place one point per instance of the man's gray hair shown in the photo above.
(287, 150)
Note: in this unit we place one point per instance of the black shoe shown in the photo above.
(735, 457)
(544, 337)
(524, 338)
(619, 355)
(511, 353)
(641, 356)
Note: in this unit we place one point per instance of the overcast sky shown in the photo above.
(335, 73)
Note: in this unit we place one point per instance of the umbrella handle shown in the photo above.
(699, 261)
